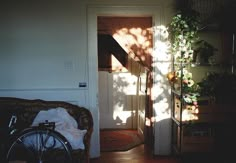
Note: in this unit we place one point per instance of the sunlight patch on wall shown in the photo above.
(162, 45)
(136, 42)
(163, 110)
(121, 116)
(161, 65)
(125, 86)
(125, 83)
(116, 65)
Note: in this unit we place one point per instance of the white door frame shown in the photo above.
(93, 11)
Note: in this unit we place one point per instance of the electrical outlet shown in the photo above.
(82, 84)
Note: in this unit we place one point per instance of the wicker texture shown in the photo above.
(26, 110)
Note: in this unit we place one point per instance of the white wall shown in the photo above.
(45, 52)
(41, 45)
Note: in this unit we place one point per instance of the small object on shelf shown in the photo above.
(171, 76)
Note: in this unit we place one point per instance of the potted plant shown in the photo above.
(220, 87)
(203, 51)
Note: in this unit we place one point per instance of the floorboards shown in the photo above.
(139, 154)
(142, 154)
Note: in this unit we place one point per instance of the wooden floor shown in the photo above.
(139, 154)
(142, 154)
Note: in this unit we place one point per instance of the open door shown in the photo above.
(142, 96)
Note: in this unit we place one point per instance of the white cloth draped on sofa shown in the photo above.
(65, 124)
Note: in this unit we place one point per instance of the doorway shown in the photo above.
(154, 11)
(124, 61)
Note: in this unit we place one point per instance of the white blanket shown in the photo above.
(65, 124)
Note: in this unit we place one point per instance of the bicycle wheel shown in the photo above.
(35, 145)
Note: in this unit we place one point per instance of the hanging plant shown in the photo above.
(183, 31)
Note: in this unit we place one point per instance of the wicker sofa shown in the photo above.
(27, 109)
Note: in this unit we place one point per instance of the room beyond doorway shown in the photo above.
(124, 61)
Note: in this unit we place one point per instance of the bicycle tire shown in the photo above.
(37, 145)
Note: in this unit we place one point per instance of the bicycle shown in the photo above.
(38, 144)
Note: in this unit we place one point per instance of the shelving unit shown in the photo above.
(192, 129)
(207, 129)
(193, 135)
(202, 127)
(211, 126)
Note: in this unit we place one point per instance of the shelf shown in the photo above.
(181, 64)
(210, 114)
(175, 120)
(197, 138)
(176, 150)
(197, 144)
(176, 92)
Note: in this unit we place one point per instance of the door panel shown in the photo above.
(141, 102)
